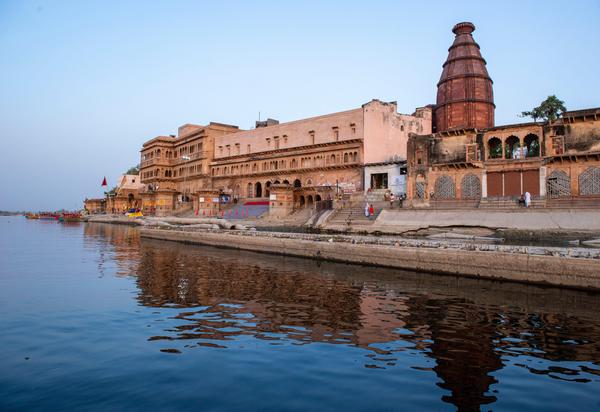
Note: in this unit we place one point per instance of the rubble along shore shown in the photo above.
(566, 267)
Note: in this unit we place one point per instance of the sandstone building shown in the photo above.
(312, 159)
(470, 162)
(448, 154)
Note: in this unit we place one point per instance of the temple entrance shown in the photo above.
(513, 183)
(379, 181)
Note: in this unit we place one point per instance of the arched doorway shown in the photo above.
(258, 190)
(267, 190)
(309, 200)
(589, 182)
(495, 148)
(532, 143)
(444, 188)
(512, 148)
(558, 184)
(250, 190)
(302, 201)
(470, 187)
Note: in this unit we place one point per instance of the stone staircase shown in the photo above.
(509, 203)
(352, 216)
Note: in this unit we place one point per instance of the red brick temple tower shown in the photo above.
(465, 99)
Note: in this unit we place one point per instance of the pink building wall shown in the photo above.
(348, 124)
(386, 131)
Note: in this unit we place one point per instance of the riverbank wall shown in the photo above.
(574, 268)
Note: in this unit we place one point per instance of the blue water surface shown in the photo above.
(93, 318)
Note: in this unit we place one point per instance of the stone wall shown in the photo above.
(521, 267)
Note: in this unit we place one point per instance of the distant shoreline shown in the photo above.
(6, 213)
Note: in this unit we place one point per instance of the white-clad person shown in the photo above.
(527, 199)
(367, 209)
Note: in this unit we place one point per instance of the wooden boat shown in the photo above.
(70, 217)
(31, 216)
(48, 216)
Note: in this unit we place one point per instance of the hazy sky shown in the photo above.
(83, 84)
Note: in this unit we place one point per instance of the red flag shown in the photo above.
(104, 182)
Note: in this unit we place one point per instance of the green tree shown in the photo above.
(111, 191)
(135, 170)
(549, 110)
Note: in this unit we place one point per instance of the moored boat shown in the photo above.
(31, 216)
(70, 217)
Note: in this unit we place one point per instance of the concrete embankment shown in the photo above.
(522, 219)
(574, 268)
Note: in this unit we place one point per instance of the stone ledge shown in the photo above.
(518, 265)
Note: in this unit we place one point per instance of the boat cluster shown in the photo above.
(58, 216)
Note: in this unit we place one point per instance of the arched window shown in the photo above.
(286, 182)
(512, 147)
(532, 145)
(345, 157)
(258, 191)
(297, 183)
(589, 182)
(309, 182)
(495, 148)
(332, 159)
(470, 187)
(558, 184)
(444, 188)
(355, 157)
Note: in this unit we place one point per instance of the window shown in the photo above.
(228, 150)
(237, 148)
(336, 134)
(276, 142)
(353, 127)
(268, 142)
(311, 134)
(220, 150)
(248, 149)
(285, 139)
(558, 144)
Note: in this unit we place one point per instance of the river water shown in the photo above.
(93, 318)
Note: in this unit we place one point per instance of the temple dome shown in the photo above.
(465, 98)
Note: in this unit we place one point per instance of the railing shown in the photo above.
(191, 157)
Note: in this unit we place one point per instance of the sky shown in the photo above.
(84, 83)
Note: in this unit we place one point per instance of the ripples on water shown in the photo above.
(95, 318)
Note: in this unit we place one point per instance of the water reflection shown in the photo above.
(467, 330)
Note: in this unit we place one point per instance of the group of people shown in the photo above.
(525, 199)
(369, 210)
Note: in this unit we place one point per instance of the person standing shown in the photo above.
(527, 199)
(392, 199)
(371, 210)
(367, 209)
